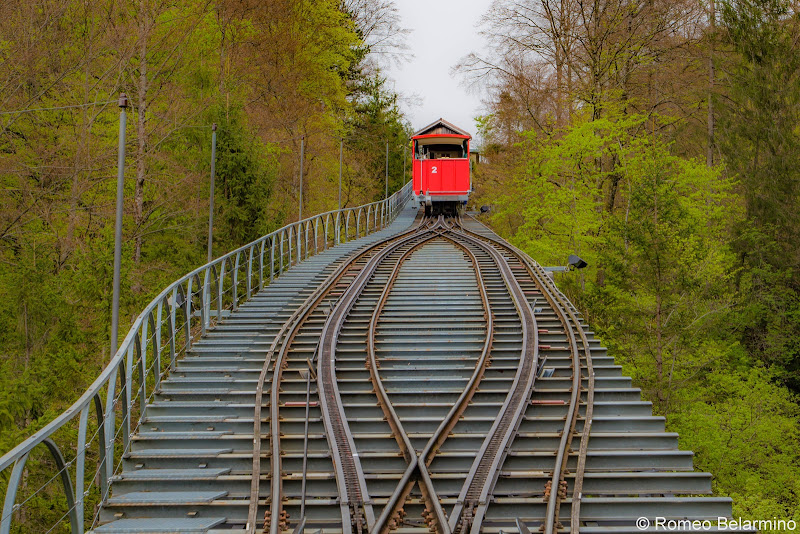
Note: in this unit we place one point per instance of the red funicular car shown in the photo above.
(441, 171)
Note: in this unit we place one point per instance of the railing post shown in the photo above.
(235, 284)
(206, 299)
(143, 343)
(109, 423)
(80, 465)
(157, 331)
(272, 259)
(101, 445)
(302, 239)
(220, 288)
(188, 312)
(11, 493)
(173, 334)
(316, 235)
(290, 240)
(127, 401)
(249, 285)
(187, 325)
(283, 238)
(261, 265)
(298, 257)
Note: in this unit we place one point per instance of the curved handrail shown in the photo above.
(161, 333)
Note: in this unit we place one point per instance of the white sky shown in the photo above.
(442, 32)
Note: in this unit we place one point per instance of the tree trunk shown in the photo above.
(559, 85)
(659, 312)
(28, 344)
(659, 350)
(614, 178)
(712, 22)
(141, 132)
(81, 158)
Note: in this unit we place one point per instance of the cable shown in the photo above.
(57, 108)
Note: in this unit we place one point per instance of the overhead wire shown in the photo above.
(91, 104)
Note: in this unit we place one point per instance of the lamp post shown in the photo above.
(386, 181)
(211, 194)
(302, 157)
(341, 164)
(123, 121)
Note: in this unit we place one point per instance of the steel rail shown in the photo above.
(399, 433)
(568, 318)
(556, 494)
(570, 322)
(473, 498)
(305, 447)
(349, 475)
(577, 488)
(288, 330)
(296, 322)
(425, 458)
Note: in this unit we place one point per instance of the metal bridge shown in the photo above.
(403, 373)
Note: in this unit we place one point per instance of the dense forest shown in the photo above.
(658, 140)
(270, 74)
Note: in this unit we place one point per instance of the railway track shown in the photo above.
(429, 379)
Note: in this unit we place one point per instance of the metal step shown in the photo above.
(159, 525)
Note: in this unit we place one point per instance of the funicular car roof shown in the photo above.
(441, 128)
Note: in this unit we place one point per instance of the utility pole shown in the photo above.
(211, 195)
(123, 121)
(386, 181)
(341, 164)
(302, 157)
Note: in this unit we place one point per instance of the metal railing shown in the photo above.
(113, 407)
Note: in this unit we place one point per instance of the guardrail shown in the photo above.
(112, 409)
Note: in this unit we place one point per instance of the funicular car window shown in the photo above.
(441, 150)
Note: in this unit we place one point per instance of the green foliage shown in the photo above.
(330, 48)
(244, 187)
(557, 200)
(661, 290)
(662, 270)
(667, 268)
(761, 119)
(694, 271)
(377, 119)
(741, 415)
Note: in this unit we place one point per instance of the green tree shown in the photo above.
(667, 269)
(760, 142)
(743, 428)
